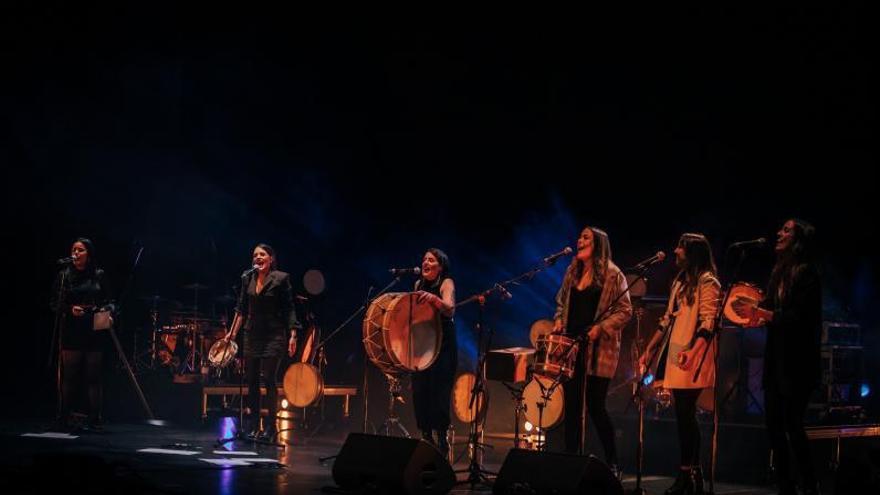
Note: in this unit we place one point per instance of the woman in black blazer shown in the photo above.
(265, 310)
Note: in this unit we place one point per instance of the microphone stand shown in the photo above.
(719, 317)
(476, 473)
(55, 347)
(118, 345)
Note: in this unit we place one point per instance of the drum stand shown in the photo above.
(392, 422)
(546, 396)
(519, 408)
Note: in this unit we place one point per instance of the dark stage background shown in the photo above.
(351, 146)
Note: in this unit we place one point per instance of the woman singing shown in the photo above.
(592, 300)
(265, 310)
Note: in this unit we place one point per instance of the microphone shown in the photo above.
(759, 242)
(505, 294)
(250, 271)
(406, 271)
(66, 261)
(653, 260)
(549, 260)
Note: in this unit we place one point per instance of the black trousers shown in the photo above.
(81, 370)
(688, 427)
(784, 416)
(432, 390)
(268, 368)
(597, 391)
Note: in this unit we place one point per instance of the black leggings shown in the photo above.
(268, 367)
(785, 427)
(78, 367)
(597, 390)
(688, 428)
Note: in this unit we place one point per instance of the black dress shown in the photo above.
(432, 388)
(268, 315)
(792, 368)
(89, 289)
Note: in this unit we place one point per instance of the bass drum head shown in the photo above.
(461, 398)
(554, 411)
(303, 385)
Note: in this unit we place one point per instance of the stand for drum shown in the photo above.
(392, 422)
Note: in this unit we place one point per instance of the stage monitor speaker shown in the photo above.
(380, 464)
(533, 472)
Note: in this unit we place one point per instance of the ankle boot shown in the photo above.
(697, 477)
(684, 484)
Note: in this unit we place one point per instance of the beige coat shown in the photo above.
(685, 321)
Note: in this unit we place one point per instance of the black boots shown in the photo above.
(688, 482)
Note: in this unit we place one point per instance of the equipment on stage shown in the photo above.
(741, 292)
(555, 356)
(303, 384)
(402, 334)
(464, 410)
(539, 328)
(510, 365)
(544, 407)
(222, 353)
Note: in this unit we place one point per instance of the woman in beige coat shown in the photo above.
(677, 348)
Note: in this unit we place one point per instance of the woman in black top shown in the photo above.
(265, 310)
(792, 312)
(79, 290)
(432, 388)
(592, 301)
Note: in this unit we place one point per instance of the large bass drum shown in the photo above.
(401, 334)
(303, 385)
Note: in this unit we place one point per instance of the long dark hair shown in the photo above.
(698, 260)
(271, 252)
(601, 258)
(443, 261)
(92, 258)
(800, 252)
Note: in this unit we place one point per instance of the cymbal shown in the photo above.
(196, 286)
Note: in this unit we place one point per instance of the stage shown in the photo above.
(189, 460)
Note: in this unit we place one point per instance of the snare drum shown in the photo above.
(555, 356)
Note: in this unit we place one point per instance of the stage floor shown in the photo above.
(189, 461)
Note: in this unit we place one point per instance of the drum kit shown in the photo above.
(187, 340)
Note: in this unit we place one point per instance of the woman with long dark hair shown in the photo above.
(674, 352)
(792, 312)
(265, 310)
(432, 388)
(592, 300)
(85, 290)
